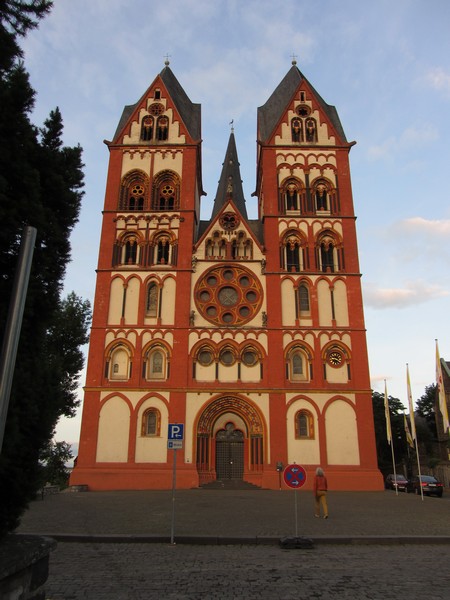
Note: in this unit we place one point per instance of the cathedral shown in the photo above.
(246, 334)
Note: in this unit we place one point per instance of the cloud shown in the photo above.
(439, 80)
(401, 144)
(419, 225)
(415, 293)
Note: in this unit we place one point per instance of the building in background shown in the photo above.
(248, 332)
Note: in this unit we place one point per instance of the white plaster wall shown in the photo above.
(342, 434)
(115, 301)
(168, 160)
(152, 449)
(306, 451)
(287, 303)
(132, 301)
(168, 302)
(324, 302)
(250, 374)
(337, 375)
(136, 160)
(113, 431)
(205, 373)
(341, 304)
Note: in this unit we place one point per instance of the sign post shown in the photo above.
(175, 438)
(295, 477)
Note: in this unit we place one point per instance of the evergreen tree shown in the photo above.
(384, 452)
(40, 185)
(54, 458)
(426, 408)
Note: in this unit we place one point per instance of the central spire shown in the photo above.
(230, 182)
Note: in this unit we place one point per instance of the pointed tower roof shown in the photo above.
(230, 182)
(270, 112)
(190, 112)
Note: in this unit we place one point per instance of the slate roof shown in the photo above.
(230, 182)
(270, 112)
(190, 112)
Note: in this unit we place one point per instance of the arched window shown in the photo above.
(166, 191)
(291, 196)
(162, 250)
(327, 254)
(155, 363)
(241, 247)
(130, 251)
(297, 130)
(216, 247)
(310, 130)
(294, 253)
(151, 423)
(152, 300)
(303, 300)
(162, 129)
(321, 196)
(134, 191)
(304, 425)
(298, 365)
(205, 356)
(227, 357)
(147, 128)
(119, 363)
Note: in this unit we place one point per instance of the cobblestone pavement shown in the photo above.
(86, 571)
(237, 514)
(375, 545)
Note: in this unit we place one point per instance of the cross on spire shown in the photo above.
(294, 59)
(167, 61)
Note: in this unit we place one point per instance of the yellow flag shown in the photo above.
(387, 415)
(410, 404)
(441, 391)
(407, 432)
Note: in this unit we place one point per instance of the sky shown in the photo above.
(385, 66)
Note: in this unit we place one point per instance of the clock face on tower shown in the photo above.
(334, 358)
(228, 295)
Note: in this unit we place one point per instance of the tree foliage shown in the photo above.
(426, 406)
(41, 184)
(384, 452)
(54, 459)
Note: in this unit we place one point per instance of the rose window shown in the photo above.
(228, 295)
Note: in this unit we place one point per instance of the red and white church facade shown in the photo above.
(249, 332)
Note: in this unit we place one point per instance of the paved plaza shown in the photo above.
(116, 545)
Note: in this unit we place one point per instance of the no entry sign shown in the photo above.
(294, 476)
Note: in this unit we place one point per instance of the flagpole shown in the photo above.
(442, 400)
(413, 426)
(389, 434)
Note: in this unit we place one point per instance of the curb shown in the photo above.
(238, 541)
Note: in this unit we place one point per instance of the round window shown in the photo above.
(227, 358)
(249, 358)
(228, 295)
(205, 357)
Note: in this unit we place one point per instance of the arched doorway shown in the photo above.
(230, 440)
(229, 453)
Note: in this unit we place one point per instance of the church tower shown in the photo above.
(249, 332)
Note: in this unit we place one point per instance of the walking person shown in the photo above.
(320, 493)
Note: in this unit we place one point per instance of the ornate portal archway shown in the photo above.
(215, 444)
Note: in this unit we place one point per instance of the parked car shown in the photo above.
(397, 481)
(430, 485)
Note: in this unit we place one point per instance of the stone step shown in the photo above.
(229, 484)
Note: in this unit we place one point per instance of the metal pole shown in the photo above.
(14, 323)
(174, 478)
(296, 518)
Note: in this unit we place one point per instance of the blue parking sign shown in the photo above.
(176, 431)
